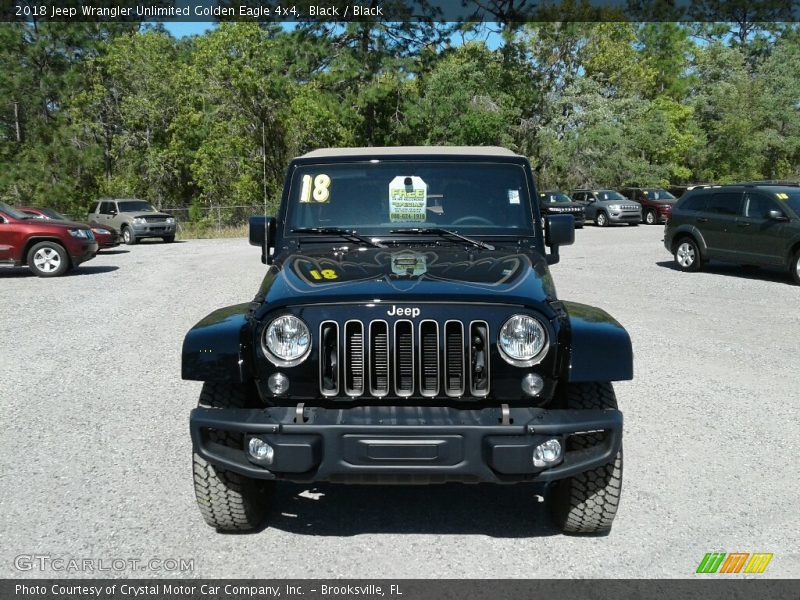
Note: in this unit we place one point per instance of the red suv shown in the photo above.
(49, 248)
(656, 203)
(107, 237)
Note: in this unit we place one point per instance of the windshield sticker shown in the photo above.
(408, 199)
(782, 196)
(315, 189)
(513, 196)
(409, 264)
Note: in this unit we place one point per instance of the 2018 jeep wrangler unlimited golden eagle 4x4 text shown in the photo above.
(407, 330)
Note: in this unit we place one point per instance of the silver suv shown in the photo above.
(134, 219)
(607, 206)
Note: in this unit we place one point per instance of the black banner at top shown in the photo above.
(500, 11)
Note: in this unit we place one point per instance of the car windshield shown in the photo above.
(13, 212)
(377, 197)
(659, 194)
(792, 199)
(135, 206)
(52, 214)
(554, 197)
(603, 195)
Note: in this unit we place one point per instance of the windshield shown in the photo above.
(377, 197)
(609, 195)
(554, 197)
(659, 194)
(135, 206)
(13, 212)
(792, 199)
(51, 214)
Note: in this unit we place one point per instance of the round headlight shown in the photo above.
(287, 341)
(522, 340)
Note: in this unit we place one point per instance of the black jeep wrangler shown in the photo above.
(407, 330)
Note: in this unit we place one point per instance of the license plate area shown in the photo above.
(365, 450)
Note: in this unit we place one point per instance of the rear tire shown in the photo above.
(48, 259)
(228, 501)
(601, 220)
(795, 267)
(587, 503)
(687, 255)
(128, 236)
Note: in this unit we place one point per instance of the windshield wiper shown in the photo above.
(443, 233)
(348, 234)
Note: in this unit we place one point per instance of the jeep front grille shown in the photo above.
(405, 359)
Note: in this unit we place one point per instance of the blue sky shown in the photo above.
(184, 28)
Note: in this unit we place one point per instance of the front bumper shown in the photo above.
(153, 229)
(625, 217)
(82, 251)
(418, 444)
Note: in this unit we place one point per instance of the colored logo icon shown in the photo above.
(734, 562)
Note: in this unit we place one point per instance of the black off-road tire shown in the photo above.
(48, 259)
(587, 503)
(128, 236)
(228, 501)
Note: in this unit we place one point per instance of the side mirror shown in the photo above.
(559, 230)
(262, 233)
(776, 215)
(112, 212)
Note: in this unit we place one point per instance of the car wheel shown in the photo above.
(127, 236)
(601, 220)
(651, 218)
(228, 501)
(48, 259)
(687, 255)
(169, 239)
(796, 267)
(587, 502)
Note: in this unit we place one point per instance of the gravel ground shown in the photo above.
(95, 451)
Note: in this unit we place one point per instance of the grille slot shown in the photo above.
(379, 358)
(354, 358)
(404, 358)
(455, 365)
(479, 358)
(329, 358)
(429, 358)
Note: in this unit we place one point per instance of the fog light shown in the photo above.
(261, 450)
(532, 384)
(278, 383)
(547, 453)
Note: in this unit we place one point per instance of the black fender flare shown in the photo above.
(600, 348)
(216, 348)
(693, 232)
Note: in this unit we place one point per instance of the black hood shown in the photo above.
(422, 274)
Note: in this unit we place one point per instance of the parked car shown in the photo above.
(747, 224)
(49, 248)
(107, 237)
(407, 330)
(656, 203)
(134, 219)
(607, 206)
(553, 202)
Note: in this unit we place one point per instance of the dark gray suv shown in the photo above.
(756, 225)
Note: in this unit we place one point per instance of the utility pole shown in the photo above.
(16, 122)
(264, 163)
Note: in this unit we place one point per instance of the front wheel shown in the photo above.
(587, 503)
(128, 236)
(601, 220)
(651, 218)
(168, 239)
(228, 501)
(687, 255)
(795, 267)
(48, 259)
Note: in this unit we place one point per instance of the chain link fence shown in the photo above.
(213, 218)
